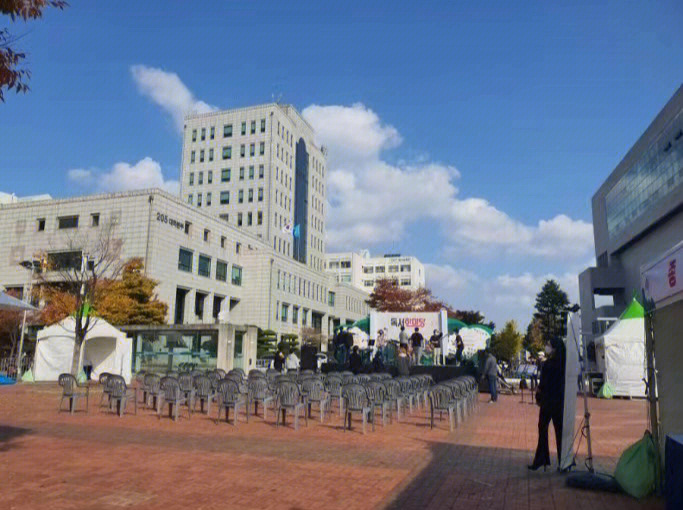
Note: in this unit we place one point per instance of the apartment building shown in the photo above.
(363, 271)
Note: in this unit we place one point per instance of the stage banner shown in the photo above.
(663, 278)
(427, 322)
(572, 370)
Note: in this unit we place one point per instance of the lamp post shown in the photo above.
(31, 265)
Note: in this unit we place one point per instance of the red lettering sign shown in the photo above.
(672, 273)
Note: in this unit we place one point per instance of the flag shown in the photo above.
(295, 231)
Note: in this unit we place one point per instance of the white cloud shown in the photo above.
(372, 201)
(168, 91)
(123, 176)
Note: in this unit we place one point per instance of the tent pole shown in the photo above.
(652, 391)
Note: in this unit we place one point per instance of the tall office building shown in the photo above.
(637, 215)
(259, 169)
(363, 271)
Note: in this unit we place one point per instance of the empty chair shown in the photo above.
(204, 392)
(151, 389)
(377, 393)
(313, 390)
(72, 391)
(120, 394)
(173, 396)
(186, 382)
(194, 373)
(356, 400)
(220, 372)
(103, 385)
(258, 392)
(394, 396)
(256, 373)
(363, 378)
(172, 373)
(333, 386)
(238, 371)
(440, 399)
(406, 391)
(288, 397)
(237, 378)
(376, 377)
(229, 396)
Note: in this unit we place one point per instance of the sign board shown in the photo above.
(663, 278)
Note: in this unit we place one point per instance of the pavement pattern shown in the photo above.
(59, 461)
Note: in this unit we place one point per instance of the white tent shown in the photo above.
(107, 348)
(620, 353)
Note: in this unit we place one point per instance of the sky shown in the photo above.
(469, 134)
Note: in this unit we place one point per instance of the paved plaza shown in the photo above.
(100, 461)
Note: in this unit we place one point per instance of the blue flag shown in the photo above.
(295, 231)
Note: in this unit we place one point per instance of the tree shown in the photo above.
(551, 310)
(131, 299)
(533, 340)
(389, 297)
(265, 342)
(12, 74)
(79, 271)
(288, 343)
(507, 343)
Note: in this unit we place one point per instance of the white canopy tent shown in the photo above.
(620, 353)
(107, 348)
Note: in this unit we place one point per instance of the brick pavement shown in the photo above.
(59, 461)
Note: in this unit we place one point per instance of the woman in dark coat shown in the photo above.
(550, 398)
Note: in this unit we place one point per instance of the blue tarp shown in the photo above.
(6, 380)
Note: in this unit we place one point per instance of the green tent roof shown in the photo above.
(454, 325)
(634, 311)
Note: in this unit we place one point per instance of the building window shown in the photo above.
(239, 219)
(204, 268)
(206, 235)
(209, 177)
(251, 172)
(190, 199)
(253, 127)
(304, 316)
(262, 148)
(208, 199)
(241, 173)
(225, 175)
(41, 224)
(295, 315)
(405, 268)
(244, 128)
(203, 134)
(250, 196)
(240, 196)
(194, 135)
(201, 156)
(379, 269)
(330, 298)
(191, 178)
(225, 197)
(249, 219)
(260, 194)
(199, 299)
(227, 130)
(238, 247)
(263, 125)
(368, 269)
(225, 217)
(346, 264)
(210, 154)
(227, 152)
(185, 260)
(221, 270)
(223, 241)
(260, 171)
(236, 275)
(95, 219)
(213, 132)
(405, 282)
(259, 218)
(200, 180)
(199, 199)
(393, 269)
(67, 222)
(252, 149)
(192, 157)
(283, 312)
(243, 150)
(368, 283)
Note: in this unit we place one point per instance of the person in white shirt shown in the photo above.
(292, 362)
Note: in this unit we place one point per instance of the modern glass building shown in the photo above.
(637, 214)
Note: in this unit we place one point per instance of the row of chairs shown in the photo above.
(457, 397)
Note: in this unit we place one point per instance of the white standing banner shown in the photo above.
(571, 377)
(663, 279)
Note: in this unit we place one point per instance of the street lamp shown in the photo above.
(31, 265)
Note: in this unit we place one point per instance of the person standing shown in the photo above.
(435, 342)
(550, 398)
(403, 337)
(402, 361)
(292, 362)
(355, 361)
(416, 340)
(490, 372)
(459, 349)
(380, 344)
(279, 361)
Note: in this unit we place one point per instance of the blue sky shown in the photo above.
(486, 117)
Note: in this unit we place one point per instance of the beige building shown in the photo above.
(363, 271)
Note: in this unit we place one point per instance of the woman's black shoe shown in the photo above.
(534, 467)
